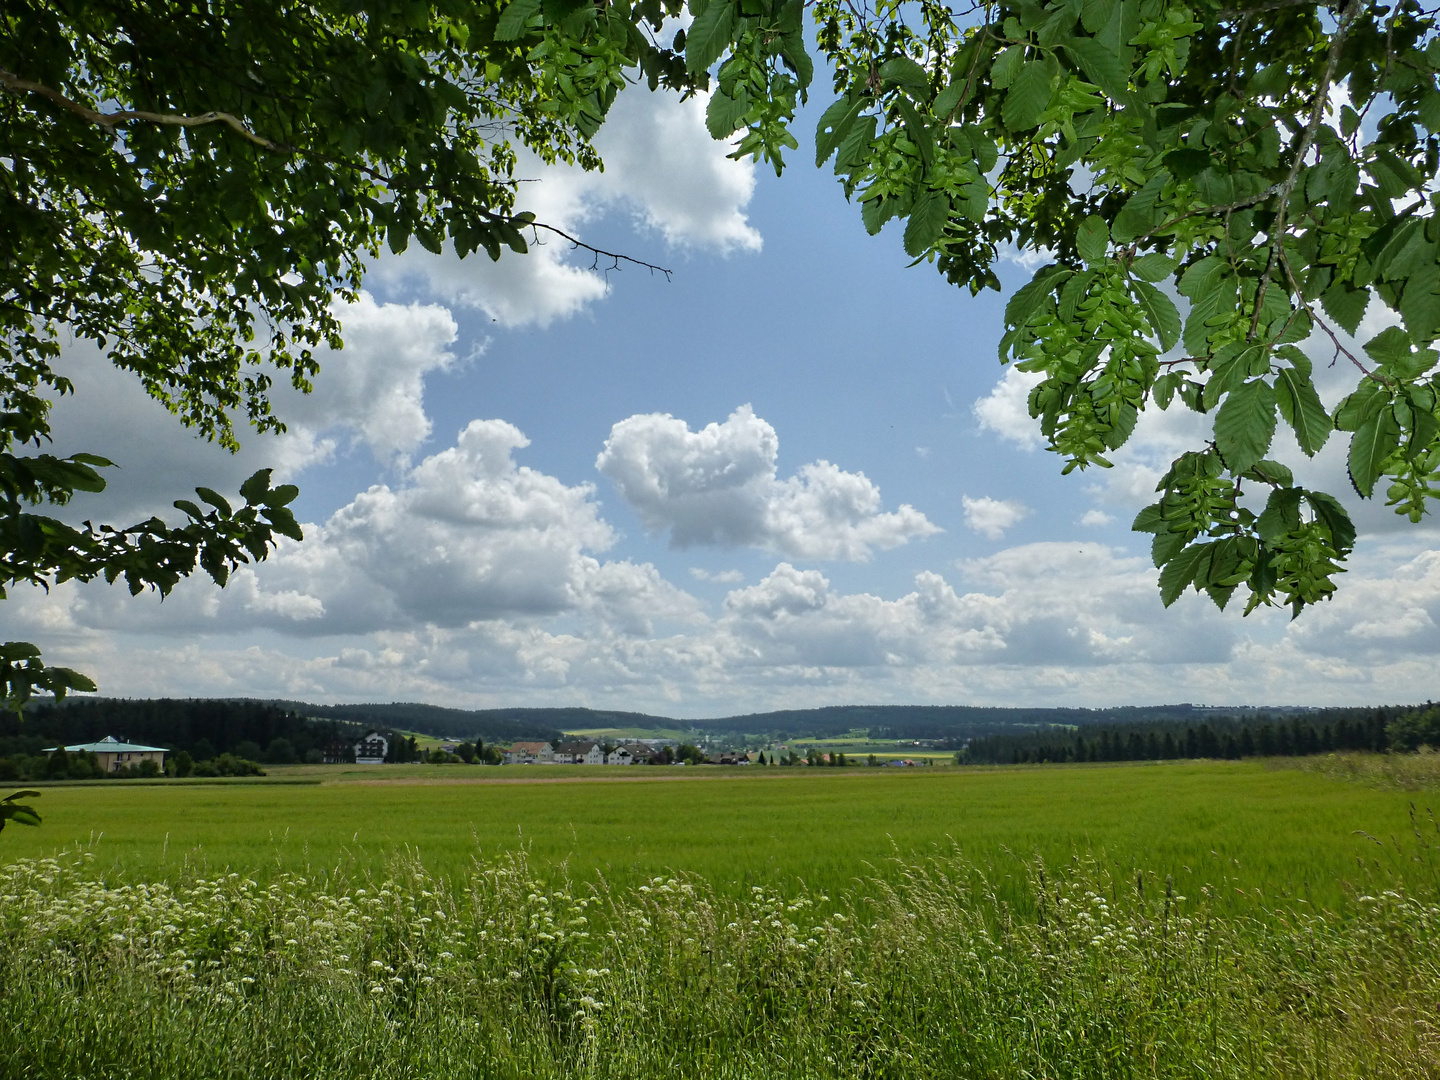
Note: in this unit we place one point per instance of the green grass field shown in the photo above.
(1287, 833)
(1182, 924)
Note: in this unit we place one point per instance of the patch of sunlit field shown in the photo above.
(1248, 833)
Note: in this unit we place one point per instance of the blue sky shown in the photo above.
(793, 474)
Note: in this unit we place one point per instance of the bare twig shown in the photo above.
(600, 253)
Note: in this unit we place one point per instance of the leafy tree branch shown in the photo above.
(1157, 149)
(193, 192)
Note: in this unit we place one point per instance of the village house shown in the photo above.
(728, 757)
(530, 753)
(621, 755)
(585, 752)
(633, 753)
(113, 755)
(372, 749)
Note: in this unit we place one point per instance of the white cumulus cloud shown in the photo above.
(719, 485)
(368, 394)
(1006, 409)
(661, 166)
(991, 517)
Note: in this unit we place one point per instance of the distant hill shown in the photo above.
(491, 725)
(949, 721)
(260, 720)
(882, 721)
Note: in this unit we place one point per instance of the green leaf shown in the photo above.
(1163, 389)
(947, 100)
(1156, 266)
(1100, 65)
(1420, 302)
(1245, 425)
(1201, 277)
(255, 488)
(1210, 286)
(1271, 472)
(903, 71)
(1094, 14)
(21, 815)
(1301, 407)
(64, 677)
(833, 126)
(1004, 70)
(1092, 238)
(283, 522)
(1150, 520)
(1187, 162)
(856, 143)
(709, 36)
(515, 18)
(917, 130)
(1328, 510)
(1281, 515)
(1160, 311)
(215, 499)
(874, 213)
(1027, 98)
(1376, 440)
(1139, 215)
(1390, 346)
(1361, 406)
(1180, 571)
(1033, 297)
(1346, 305)
(282, 495)
(724, 114)
(927, 223)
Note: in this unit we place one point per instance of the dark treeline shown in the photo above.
(954, 723)
(1234, 736)
(489, 725)
(202, 727)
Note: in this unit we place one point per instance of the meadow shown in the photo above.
(1281, 833)
(1174, 920)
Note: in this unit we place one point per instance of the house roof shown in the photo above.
(583, 746)
(109, 745)
(528, 747)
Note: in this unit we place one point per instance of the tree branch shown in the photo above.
(1317, 113)
(600, 253)
(1271, 5)
(13, 83)
(1227, 208)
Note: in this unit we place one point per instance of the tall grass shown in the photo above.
(928, 972)
(1407, 772)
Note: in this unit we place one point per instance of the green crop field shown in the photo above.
(1226, 920)
(1286, 833)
